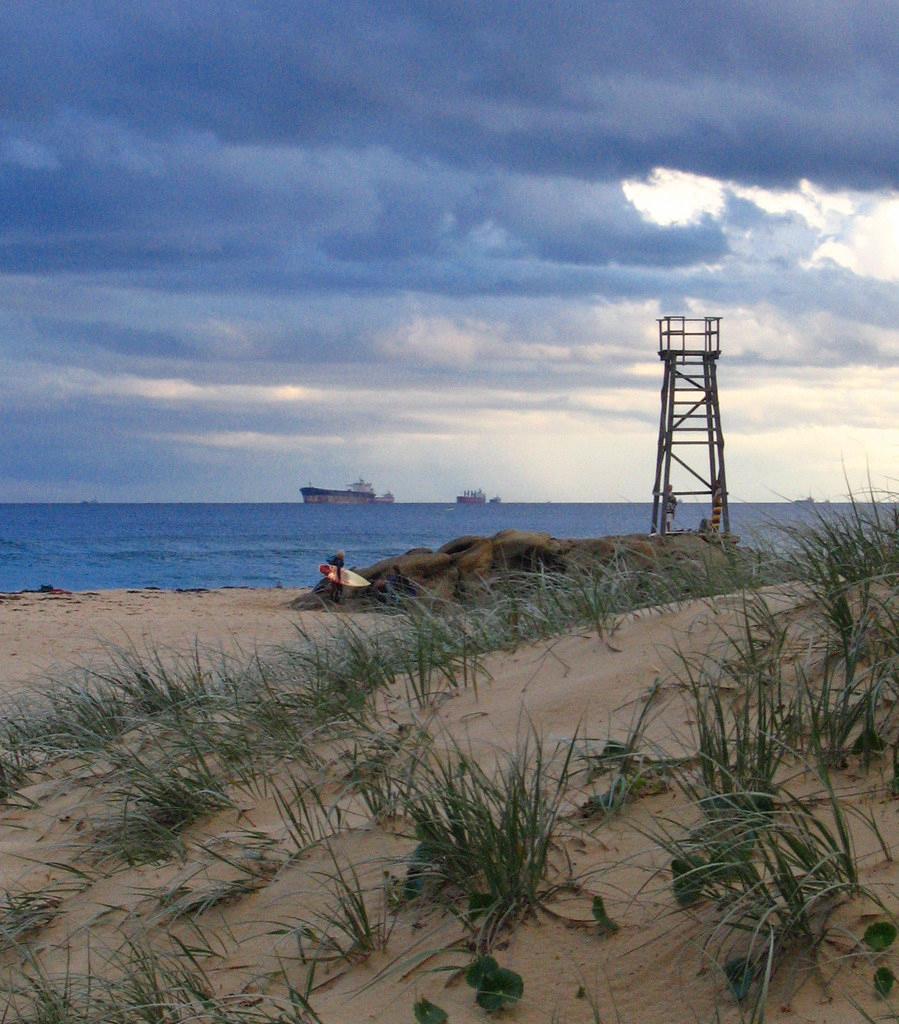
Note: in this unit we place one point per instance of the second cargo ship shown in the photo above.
(359, 493)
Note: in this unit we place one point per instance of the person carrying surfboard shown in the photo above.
(337, 578)
(337, 582)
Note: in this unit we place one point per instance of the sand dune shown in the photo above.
(238, 889)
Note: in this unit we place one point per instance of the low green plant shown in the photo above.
(849, 565)
(489, 833)
(601, 917)
(631, 772)
(743, 717)
(355, 923)
(427, 1013)
(304, 813)
(156, 799)
(846, 712)
(740, 974)
(848, 547)
(33, 997)
(772, 874)
(22, 913)
(380, 766)
(14, 770)
(428, 656)
(68, 718)
(739, 742)
(496, 987)
(184, 901)
(146, 986)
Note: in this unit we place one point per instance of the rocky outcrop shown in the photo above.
(461, 567)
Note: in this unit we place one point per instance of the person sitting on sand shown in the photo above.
(395, 586)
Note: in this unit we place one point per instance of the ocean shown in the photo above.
(102, 546)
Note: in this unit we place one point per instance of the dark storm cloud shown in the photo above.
(375, 146)
(204, 216)
(754, 90)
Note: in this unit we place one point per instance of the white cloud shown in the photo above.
(817, 340)
(436, 341)
(670, 198)
(252, 440)
(821, 210)
(868, 243)
(177, 390)
(71, 382)
(855, 230)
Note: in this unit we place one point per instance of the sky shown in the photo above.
(245, 246)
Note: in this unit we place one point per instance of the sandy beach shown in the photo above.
(236, 884)
(47, 636)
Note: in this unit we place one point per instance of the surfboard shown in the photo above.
(347, 577)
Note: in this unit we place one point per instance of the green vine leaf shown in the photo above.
(479, 970)
(496, 986)
(601, 917)
(883, 981)
(427, 1013)
(880, 936)
(499, 989)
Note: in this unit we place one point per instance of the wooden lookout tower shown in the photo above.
(690, 424)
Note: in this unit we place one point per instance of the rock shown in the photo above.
(460, 544)
(476, 560)
(462, 566)
(515, 550)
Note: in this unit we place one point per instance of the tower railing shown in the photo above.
(690, 335)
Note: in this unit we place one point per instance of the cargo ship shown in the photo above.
(359, 493)
(471, 498)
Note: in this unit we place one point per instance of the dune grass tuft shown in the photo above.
(486, 837)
